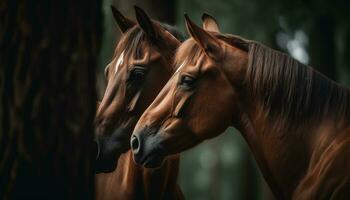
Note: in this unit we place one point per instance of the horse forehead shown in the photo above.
(119, 62)
(181, 66)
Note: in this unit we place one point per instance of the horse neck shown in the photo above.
(283, 147)
(283, 152)
(131, 181)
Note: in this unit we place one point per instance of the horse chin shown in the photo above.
(153, 161)
(151, 158)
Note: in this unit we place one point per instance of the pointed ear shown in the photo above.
(124, 23)
(210, 23)
(145, 23)
(158, 34)
(207, 42)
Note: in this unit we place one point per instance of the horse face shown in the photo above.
(136, 74)
(198, 102)
(132, 83)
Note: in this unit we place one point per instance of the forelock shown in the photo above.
(188, 52)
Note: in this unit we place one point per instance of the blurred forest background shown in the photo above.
(47, 78)
(316, 33)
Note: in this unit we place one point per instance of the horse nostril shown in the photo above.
(135, 144)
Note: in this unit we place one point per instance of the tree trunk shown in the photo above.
(47, 97)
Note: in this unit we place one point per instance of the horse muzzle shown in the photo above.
(146, 149)
(109, 149)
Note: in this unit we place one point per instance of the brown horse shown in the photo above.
(295, 120)
(140, 68)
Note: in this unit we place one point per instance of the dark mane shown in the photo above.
(174, 31)
(132, 40)
(292, 91)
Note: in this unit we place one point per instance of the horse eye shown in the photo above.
(187, 81)
(137, 74)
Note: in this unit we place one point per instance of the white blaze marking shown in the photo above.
(119, 62)
(181, 66)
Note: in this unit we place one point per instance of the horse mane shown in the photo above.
(134, 38)
(292, 91)
(287, 89)
(174, 31)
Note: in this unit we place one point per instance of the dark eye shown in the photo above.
(187, 81)
(137, 74)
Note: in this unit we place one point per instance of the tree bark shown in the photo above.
(47, 97)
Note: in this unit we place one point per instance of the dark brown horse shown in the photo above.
(140, 67)
(295, 120)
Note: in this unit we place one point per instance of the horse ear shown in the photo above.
(207, 42)
(145, 23)
(124, 23)
(210, 23)
(158, 34)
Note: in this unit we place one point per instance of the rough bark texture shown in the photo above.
(47, 97)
